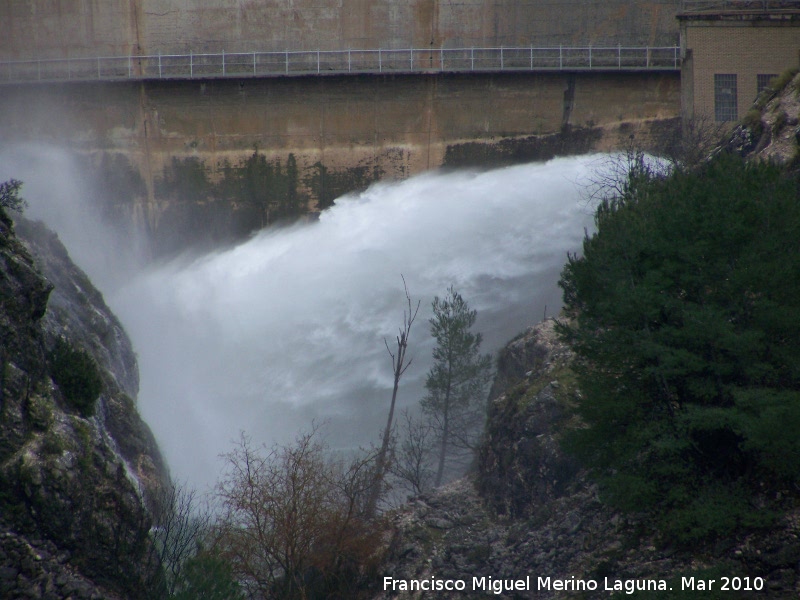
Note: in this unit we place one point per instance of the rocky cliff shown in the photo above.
(771, 128)
(529, 511)
(74, 478)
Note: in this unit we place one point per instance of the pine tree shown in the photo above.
(10, 199)
(457, 382)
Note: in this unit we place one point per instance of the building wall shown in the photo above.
(75, 28)
(746, 48)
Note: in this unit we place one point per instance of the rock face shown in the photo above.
(529, 511)
(771, 129)
(521, 464)
(73, 485)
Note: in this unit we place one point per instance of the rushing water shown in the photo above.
(288, 327)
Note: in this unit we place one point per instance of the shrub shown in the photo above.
(752, 120)
(77, 376)
(781, 81)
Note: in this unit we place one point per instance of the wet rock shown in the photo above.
(72, 511)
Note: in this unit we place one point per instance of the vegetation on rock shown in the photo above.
(72, 520)
(76, 375)
(10, 199)
(686, 305)
(9, 195)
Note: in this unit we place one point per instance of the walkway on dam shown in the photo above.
(341, 62)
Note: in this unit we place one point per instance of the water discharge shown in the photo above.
(289, 326)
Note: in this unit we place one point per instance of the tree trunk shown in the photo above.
(445, 431)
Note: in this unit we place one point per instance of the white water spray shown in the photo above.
(288, 327)
(60, 194)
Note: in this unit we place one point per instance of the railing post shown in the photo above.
(531, 57)
(441, 58)
(380, 63)
(223, 63)
(501, 58)
(590, 57)
(317, 62)
(191, 64)
(411, 52)
(619, 56)
(675, 56)
(560, 57)
(647, 54)
(348, 61)
(254, 64)
(287, 62)
(472, 59)
(38, 69)
(130, 66)
(159, 64)
(98, 68)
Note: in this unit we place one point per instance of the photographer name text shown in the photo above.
(492, 585)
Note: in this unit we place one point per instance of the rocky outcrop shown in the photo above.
(771, 128)
(529, 511)
(73, 483)
(77, 311)
(521, 464)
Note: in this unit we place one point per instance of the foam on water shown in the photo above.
(289, 326)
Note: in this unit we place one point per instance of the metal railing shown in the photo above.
(693, 6)
(334, 62)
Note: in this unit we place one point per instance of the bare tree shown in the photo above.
(353, 538)
(620, 175)
(399, 366)
(695, 141)
(293, 521)
(412, 462)
(180, 524)
(691, 144)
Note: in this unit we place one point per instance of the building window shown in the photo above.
(725, 105)
(762, 82)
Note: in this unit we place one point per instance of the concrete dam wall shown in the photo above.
(190, 156)
(217, 158)
(79, 28)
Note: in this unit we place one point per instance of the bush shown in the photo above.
(685, 304)
(752, 120)
(77, 376)
(781, 81)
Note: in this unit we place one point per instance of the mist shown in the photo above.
(61, 193)
(288, 328)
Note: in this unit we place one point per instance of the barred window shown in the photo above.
(725, 104)
(762, 81)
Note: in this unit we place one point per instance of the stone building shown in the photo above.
(731, 49)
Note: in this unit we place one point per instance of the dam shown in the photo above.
(187, 114)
